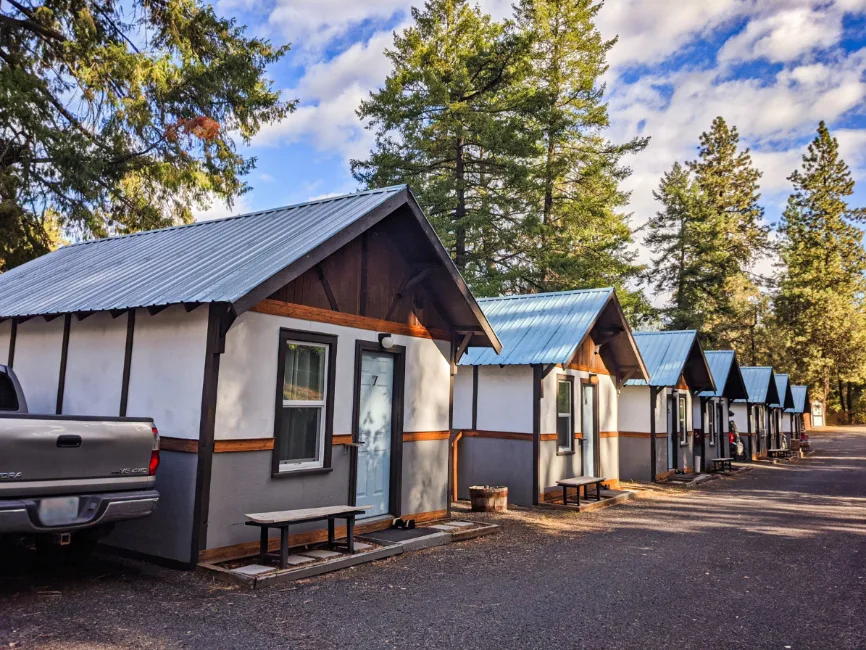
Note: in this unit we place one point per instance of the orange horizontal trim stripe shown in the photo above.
(252, 444)
(184, 445)
(608, 434)
(500, 435)
(341, 439)
(417, 436)
(302, 312)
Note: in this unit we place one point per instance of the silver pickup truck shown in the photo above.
(66, 479)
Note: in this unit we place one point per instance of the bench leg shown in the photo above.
(350, 533)
(330, 533)
(284, 547)
(263, 541)
(564, 495)
(577, 494)
(598, 491)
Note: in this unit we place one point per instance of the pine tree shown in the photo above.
(118, 116)
(680, 237)
(735, 232)
(445, 123)
(821, 293)
(584, 240)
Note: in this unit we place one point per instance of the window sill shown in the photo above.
(565, 452)
(289, 473)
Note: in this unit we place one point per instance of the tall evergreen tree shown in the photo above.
(445, 123)
(118, 116)
(575, 199)
(712, 216)
(680, 235)
(822, 289)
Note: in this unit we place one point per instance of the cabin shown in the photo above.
(777, 410)
(752, 414)
(545, 408)
(710, 410)
(656, 436)
(793, 422)
(291, 358)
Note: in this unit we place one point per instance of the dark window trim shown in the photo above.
(570, 450)
(301, 336)
(596, 447)
(395, 483)
(64, 353)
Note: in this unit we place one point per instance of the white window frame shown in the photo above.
(565, 379)
(294, 466)
(710, 419)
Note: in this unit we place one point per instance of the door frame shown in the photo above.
(596, 448)
(395, 478)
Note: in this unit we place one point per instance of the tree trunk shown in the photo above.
(848, 402)
(842, 398)
(460, 210)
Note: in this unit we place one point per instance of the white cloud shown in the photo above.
(785, 35)
(219, 209)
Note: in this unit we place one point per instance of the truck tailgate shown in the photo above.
(44, 454)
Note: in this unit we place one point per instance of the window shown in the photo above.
(684, 432)
(565, 414)
(710, 419)
(304, 402)
(8, 396)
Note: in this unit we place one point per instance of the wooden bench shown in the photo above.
(284, 518)
(721, 464)
(580, 482)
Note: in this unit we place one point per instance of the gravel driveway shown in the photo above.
(775, 558)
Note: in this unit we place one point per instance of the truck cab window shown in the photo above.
(8, 396)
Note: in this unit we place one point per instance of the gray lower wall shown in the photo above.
(167, 532)
(634, 454)
(553, 467)
(493, 461)
(425, 477)
(609, 457)
(241, 483)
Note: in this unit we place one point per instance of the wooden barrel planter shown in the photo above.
(488, 498)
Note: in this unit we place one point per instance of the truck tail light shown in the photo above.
(154, 454)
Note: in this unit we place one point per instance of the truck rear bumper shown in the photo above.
(21, 516)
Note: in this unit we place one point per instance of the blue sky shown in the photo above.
(772, 68)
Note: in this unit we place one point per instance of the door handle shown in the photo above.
(69, 440)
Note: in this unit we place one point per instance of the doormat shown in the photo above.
(399, 534)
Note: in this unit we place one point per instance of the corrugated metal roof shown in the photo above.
(538, 328)
(207, 261)
(720, 362)
(785, 400)
(757, 380)
(665, 355)
(799, 393)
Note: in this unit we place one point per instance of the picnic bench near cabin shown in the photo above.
(581, 482)
(722, 464)
(282, 519)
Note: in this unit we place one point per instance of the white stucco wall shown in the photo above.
(37, 362)
(634, 409)
(248, 374)
(463, 398)
(94, 365)
(167, 369)
(741, 417)
(5, 336)
(505, 399)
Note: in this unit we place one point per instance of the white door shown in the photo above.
(590, 435)
(374, 432)
(672, 431)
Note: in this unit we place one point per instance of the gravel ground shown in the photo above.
(774, 558)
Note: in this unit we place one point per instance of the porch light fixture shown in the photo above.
(386, 341)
